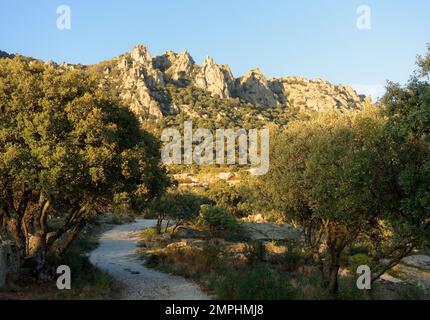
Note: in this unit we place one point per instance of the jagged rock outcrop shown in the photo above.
(176, 66)
(316, 94)
(254, 88)
(215, 78)
(141, 81)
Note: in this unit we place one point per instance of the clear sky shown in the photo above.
(311, 38)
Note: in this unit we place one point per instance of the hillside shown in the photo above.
(172, 87)
(163, 87)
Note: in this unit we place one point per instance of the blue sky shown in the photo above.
(309, 38)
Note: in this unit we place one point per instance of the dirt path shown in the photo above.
(116, 256)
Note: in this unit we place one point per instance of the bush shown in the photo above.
(216, 219)
(234, 200)
(148, 234)
(310, 287)
(179, 206)
(187, 261)
(257, 283)
(86, 278)
(348, 289)
(357, 260)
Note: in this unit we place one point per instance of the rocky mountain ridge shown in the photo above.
(145, 83)
(142, 78)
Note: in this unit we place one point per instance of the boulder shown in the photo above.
(184, 232)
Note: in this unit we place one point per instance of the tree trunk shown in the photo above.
(37, 254)
(160, 219)
(333, 284)
(62, 244)
(336, 242)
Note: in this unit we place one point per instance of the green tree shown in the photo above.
(408, 109)
(177, 206)
(329, 175)
(217, 220)
(234, 199)
(67, 151)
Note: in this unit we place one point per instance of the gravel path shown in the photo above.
(116, 256)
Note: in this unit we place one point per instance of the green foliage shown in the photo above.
(357, 260)
(424, 63)
(408, 109)
(236, 200)
(348, 289)
(344, 175)
(216, 219)
(84, 274)
(180, 206)
(68, 151)
(331, 175)
(257, 283)
(213, 112)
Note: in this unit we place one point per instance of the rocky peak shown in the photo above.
(182, 65)
(217, 79)
(141, 55)
(141, 78)
(254, 88)
(139, 82)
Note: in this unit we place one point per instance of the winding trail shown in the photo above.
(116, 256)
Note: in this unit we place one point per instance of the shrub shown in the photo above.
(216, 219)
(310, 287)
(348, 289)
(357, 260)
(257, 283)
(187, 261)
(179, 206)
(148, 234)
